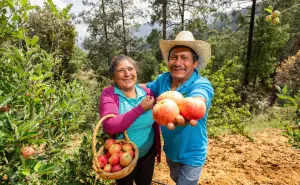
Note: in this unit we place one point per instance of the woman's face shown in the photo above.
(125, 75)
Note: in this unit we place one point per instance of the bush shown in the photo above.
(226, 106)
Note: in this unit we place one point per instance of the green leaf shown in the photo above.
(269, 9)
(23, 3)
(66, 10)
(37, 166)
(34, 40)
(284, 90)
(25, 172)
(53, 7)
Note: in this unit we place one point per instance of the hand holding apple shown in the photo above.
(147, 103)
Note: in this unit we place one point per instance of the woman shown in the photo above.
(132, 104)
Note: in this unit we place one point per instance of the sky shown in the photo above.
(81, 28)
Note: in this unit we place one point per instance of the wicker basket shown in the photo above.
(116, 175)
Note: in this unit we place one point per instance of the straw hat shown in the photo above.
(186, 38)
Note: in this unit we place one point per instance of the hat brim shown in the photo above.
(201, 48)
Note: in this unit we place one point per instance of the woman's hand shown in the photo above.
(147, 103)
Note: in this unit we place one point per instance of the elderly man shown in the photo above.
(185, 146)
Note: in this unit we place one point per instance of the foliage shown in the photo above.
(288, 73)
(36, 110)
(293, 132)
(226, 106)
(56, 35)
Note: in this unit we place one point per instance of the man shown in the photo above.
(185, 146)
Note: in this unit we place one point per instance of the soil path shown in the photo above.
(234, 159)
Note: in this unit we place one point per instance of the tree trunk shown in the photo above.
(164, 11)
(107, 52)
(249, 52)
(124, 30)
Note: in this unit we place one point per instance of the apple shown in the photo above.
(107, 168)
(114, 159)
(108, 155)
(125, 159)
(275, 14)
(192, 108)
(114, 148)
(27, 152)
(269, 18)
(109, 142)
(276, 21)
(132, 153)
(116, 168)
(172, 95)
(165, 111)
(102, 160)
(126, 147)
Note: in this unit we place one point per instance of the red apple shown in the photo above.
(27, 152)
(125, 159)
(114, 159)
(165, 111)
(109, 142)
(192, 108)
(116, 168)
(127, 147)
(107, 168)
(102, 160)
(172, 95)
(114, 148)
(269, 18)
(132, 153)
(108, 155)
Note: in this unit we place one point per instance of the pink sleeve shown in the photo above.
(120, 123)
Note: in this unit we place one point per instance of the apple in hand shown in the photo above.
(172, 95)
(165, 111)
(192, 108)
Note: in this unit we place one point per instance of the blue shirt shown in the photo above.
(141, 131)
(186, 144)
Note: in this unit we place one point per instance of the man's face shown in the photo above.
(181, 64)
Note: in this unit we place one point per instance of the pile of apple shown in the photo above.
(116, 156)
(170, 104)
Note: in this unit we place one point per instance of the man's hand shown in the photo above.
(180, 121)
(147, 103)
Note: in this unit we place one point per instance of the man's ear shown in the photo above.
(196, 64)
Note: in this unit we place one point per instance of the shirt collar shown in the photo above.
(139, 92)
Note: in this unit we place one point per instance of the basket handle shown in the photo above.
(94, 142)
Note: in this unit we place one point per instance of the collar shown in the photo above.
(139, 92)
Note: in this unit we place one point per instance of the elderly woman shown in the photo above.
(132, 105)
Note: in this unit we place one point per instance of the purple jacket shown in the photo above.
(109, 104)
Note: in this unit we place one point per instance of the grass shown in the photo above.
(273, 117)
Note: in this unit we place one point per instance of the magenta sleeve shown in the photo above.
(121, 122)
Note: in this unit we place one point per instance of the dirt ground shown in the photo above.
(234, 159)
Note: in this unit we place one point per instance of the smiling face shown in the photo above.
(125, 75)
(181, 64)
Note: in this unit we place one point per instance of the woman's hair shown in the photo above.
(117, 59)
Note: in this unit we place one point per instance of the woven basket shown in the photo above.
(116, 175)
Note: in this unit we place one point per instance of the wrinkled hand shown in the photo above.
(180, 121)
(147, 103)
